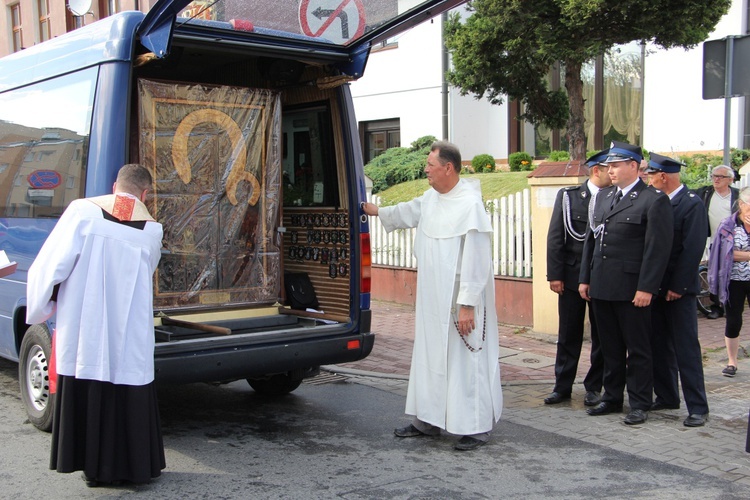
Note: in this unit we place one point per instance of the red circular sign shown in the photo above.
(316, 18)
(44, 179)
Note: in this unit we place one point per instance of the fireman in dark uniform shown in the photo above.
(674, 343)
(567, 230)
(624, 258)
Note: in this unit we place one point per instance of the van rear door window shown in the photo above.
(44, 138)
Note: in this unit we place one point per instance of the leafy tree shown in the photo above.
(506, 47)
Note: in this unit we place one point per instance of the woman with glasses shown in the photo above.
(729, 273)
(719, 198)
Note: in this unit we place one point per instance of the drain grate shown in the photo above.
(325, 378)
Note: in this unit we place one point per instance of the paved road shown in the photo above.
(333, 438)
(527, 372)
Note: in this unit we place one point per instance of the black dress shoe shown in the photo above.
(468, 443)
(411, 431)
(713, 315)
(661, 405)
(592, 398)
(605, 408)
(636, 417)
(91, 483)
(696, 420)
(555, 398)
(408, 431)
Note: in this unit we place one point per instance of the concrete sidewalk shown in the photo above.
(527, 371)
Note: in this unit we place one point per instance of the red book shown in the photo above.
(6, 267)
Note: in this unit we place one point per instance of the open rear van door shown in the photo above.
(342, 29)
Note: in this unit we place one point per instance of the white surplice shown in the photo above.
(450, 386)
(104, 323)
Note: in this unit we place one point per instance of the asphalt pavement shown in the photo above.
(527, 361)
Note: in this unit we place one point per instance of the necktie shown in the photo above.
(617, 199)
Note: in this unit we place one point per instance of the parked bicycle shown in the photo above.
(704, 297)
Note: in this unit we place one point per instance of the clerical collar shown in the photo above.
(126, 194)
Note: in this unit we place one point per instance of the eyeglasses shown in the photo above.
(722, 176)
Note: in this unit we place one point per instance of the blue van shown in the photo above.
(242, 112)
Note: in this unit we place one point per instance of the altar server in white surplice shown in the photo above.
(96, 271)
(454, 382)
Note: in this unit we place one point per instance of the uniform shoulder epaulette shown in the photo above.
(571, 188)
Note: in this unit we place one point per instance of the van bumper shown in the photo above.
(253, 361)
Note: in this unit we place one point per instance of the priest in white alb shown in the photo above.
(95, 270)
(454, 383)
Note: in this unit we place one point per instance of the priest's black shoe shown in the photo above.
(604, 408)
(411, 431)
(90, 482)
(636, 417)
(592, 398)
(695, 420)
(555, 398)
(661, 405)
(468, 443)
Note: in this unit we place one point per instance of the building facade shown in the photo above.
(640, 94)
(24, 23)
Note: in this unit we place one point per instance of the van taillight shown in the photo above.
(352, 345)
(366, 262)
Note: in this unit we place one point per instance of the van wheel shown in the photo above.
(33, 377)
(274, 385)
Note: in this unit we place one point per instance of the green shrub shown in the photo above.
(520, 161)
(738, 157)
(397, 165)
(423, 142)
(559, 156)
(483, 163)
(696, 171)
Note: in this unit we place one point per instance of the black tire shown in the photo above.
(33, 377)
(274, 385)
(704, 297)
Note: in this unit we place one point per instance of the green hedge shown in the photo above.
(397, 165)
(483, 163)
(520, 161)
(558, 156)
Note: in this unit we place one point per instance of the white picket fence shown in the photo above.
(511, 242)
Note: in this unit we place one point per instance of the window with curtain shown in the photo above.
(623, 94)
(621, 115)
